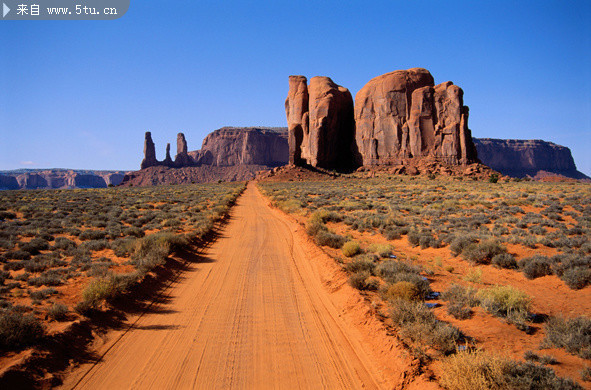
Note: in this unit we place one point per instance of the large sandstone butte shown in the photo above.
(521, 158)
(402, 114)
(227, 146)
(320, 123)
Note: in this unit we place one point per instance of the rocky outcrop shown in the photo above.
(58, 179)
(149, 152)
(182, 158)
(521, 158)
(243, 146)
(402, 114)
(227, 146)
(320, 123)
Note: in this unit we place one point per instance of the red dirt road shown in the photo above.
(254, 314)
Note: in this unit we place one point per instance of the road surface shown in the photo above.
(253, 314)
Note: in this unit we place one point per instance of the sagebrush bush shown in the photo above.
(479, 370)
(57, 311)
(507, 302)
(574, 335)
(361, 263)
(460, 301)
(330, 239)
(362, 280)
(536, 266)
(483, 252)
(420, 325)
(402, 290)
(504, 260)
(351, 248)
(18, 330)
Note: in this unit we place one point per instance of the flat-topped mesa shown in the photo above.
(149, 152)
(321, 127)
(402, 114)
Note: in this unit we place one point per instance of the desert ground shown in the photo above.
(333, 282)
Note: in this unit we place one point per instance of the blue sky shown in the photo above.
(81, 94)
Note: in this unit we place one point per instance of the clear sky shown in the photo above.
(81, 94)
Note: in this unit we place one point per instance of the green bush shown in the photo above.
(506, 302)
(479, 370)
(351, 248)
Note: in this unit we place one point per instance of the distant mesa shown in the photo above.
(58, 179)
(397, 116)
(527, 158)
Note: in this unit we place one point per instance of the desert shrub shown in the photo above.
(46, 279)
(123, 247)
(94, 245)
(99, 290)
(17, 330)
(402, 290)
(572, 334)
(536, 266)
(460, 300)
(483, 252)
(133, 231)
(57, 311)
(506, 302)
(35, 246)
(382, 250)
(479, 370)
(92, 235)
(577, 277)
(504, 260)
(458, 244)
(396, 271)
(330, 239)
(152, 250)
(417, 323)
(42, 294)
(414, 238)
(351, 248)
(18, 255)
(362, 280)
(535, 358)
(474, 275)
(586, 374)
(361, 263)
(64, 243)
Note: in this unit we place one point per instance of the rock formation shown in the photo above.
(182, 158)
(58, 179)
(521, 158)
(320, 122)
(402, 114)
(168, 160)
(149, 152)
(228, 146)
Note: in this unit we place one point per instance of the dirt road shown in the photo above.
(253, 314)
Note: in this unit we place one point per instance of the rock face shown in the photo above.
(58, 179)
(227, 146)
(402, 114)
(521, 158)
(320, 123)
